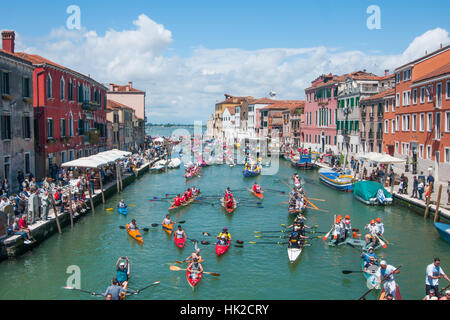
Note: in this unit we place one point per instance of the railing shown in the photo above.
(370, 135)
(89, 105)
(379, 135)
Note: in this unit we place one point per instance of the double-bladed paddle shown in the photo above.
(144, 229)
(175, 268)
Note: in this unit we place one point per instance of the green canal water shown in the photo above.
(253, 272)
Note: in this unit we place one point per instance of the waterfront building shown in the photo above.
(420, 119)
(69, 112)
(249, 117)
(228, 124)
(16, 114)
(291, 125)
(134, 99)
(210, 127)
(230, 101)
(121, 117)
(354, 87)
(319, 129)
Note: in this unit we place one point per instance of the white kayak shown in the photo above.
(294, 253)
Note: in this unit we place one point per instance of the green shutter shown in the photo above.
(357, 101)
(352, 101)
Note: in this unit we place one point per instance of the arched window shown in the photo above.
(49, 86)
(62, 88)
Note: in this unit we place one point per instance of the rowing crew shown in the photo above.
(376, 231)
(229, 200)
(193, 170)
(187, 196)
(342, 228)
(297, 237)
(297, 200)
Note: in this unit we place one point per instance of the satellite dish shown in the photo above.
(272, 94)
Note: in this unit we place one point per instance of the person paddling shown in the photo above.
(115, 291)
(177, 201)
(224, 236)
(389, 284)
(133, 226)
(370, 237)
(167, 221)
(195, 268)
(123, 271)
(194, 255)
(347, 226)
(434, 272)
(256, 188)
(179, 233)
(122, 204)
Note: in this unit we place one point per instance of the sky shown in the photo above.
(187, 54)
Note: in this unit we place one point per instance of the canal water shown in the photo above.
(255, 271)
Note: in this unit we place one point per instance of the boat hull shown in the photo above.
(331, 180)
(444, 231)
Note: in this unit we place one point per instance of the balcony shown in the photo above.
(380, 115)
(362, 134)
(379, 135)
(369, 89)
(370, 135)
(90, 106)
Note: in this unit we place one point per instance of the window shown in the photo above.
(403, 122)
(397, 120)
(447, 154)
(63, 127)
(429, 122)
(415, 96)
(414, 122)
(421, 151)
(430, 93)
(438, 95)
(386, 126)
(422, 122)
(70, 90)
(7, 167)
(6, 126)
(27, 163)
(26, 87)
(407, 126)
(429, 152)
(71, 155)
(386, 106)
(62, 88)
(447, 121)
(393, 126)
(422, 95)
(71, 127)
(396, 147)
(397, 100)
(447, 90)
(398, 77)
(26, 127)
(49, 128)
(4, 82)
(49, 87)
(63, 157)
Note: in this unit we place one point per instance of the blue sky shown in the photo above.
(245, 25)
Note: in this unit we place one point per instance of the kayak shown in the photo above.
(180, 242)
(294, 252)
(123, 211)
(193, 278)
(173, 207)
(135, 234)
(258, 195)
(168, 228)
(220, 250)
(398, 296)
(229, 210)
(370, 275)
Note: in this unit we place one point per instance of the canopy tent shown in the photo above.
(379, 158)
(85, 163)
(159, 139)
(120, 152)
(387, 159)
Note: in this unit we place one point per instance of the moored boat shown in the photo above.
(304, 162)
(135, 234)
(336, 180)
(372, 193)
(444, 230)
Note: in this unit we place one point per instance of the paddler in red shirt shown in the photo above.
(177, 201)
(189, 193)
(256, 188)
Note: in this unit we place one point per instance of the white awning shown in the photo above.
(85, 163)
(379, 158)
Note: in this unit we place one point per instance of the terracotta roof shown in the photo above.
(324, 80)
(424, 57)
(16, 57)
(435, 73)
(261, 101)
(363, 75)
(110, 104)
(386, 93)
(231, 110)
(123, 88)
(285, 105)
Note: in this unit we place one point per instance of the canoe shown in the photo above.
(258, 195)
(371, 275)
(123, 211)
(168, 228)
(220, 250)
(444, 230)
(180, 242)
(135, 234)
(336, 180)
(228, 209)
(193, 278)
(398, 296)
(173, 207)
(294, 253)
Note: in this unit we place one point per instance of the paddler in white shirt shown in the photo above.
(389, 285)
(380, 227)
(347, 226)
(337, 233)
(370, 237)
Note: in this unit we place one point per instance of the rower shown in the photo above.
(123, 271)
(296, 238)
(224, 235)
(370, 237)
(367, 256)
(115, 291)
(195, 267)
(389, 284)
(347, 226)
(179, 233)
(337, 234)
(195, 254)
(177, 201)
(122, 204)
(256, 188)
(189, 193)
(380, 227)
(132, 226)
(167, 221)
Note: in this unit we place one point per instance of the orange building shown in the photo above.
(420, 117)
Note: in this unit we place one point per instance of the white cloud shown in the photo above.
(184, 89)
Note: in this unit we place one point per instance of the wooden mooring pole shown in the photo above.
(436, 214)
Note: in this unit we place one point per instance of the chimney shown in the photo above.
(130, 83)
(386, 72)
(8, 38)
(441, 45)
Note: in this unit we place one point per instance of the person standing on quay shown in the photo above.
(434, 272)
(448, 193)
(430, 179)
(420, 189)
(415, 187)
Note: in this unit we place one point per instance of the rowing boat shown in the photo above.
(123, 211)
(258, 195)
(168, 228)
(229, 210)
(135, 234)
(398, 296)
(193, 278)
(294, 252)
(180, 242)
(220, 250)
(174, 207)
(370, 275)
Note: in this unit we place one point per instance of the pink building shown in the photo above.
(319, 128)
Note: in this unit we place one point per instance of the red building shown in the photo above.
(69, 113)
(420, 127)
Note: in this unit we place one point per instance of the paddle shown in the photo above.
(179, 262)
(109, 209)
(175, 268)
(84, 291)
(350, 271)
(179, 222)
(386, 277)
(146, 287)
(144, 229)
(326, 236)
(381, 241)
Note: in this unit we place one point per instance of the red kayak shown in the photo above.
(193, 278)
(180, 242)
(220, 250)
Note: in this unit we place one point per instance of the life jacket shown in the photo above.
(177, 201)
(179, 234)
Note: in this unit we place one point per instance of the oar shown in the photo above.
(179, 222)
(109, 209)
(84, 291)
(268, 242)
(175, 268)
(143, 229)
(323, 200)
(365, 294)
(132, 205)
(442, 290)
(350, 271)
(146, 287)
(381, 241)
(179, 262)
(309, 202)
(326, 236)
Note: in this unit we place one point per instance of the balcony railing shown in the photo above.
(379, 135)
(89, 105)
(370, 135)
